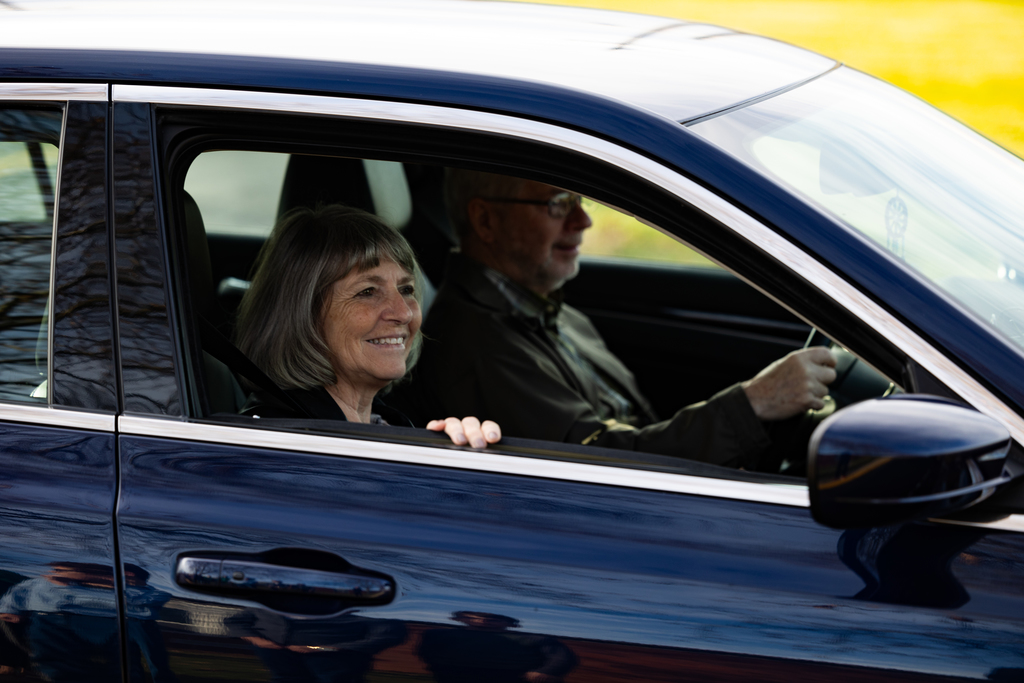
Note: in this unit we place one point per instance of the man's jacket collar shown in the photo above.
(496, 291)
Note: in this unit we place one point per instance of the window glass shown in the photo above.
(29, 141)
(619, 235)
(629, 320)
(937, 195)
(237, 192)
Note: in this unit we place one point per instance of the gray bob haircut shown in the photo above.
(280, 319)
(461, 185)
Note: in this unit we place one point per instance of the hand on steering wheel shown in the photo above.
(855, 381)
(790, 436)
(791, 385)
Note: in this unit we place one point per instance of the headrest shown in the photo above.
(379, 187)
(200, 273)
(392, 199)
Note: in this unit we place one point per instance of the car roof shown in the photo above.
(678, 69)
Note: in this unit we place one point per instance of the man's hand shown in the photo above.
(792, 384)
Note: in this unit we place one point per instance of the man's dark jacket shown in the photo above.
(481, 357)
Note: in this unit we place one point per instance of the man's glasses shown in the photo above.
(559, 206)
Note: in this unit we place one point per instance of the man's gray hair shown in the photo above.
(461, 185)
(280, 319)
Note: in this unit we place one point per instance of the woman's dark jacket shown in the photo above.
(314, 404)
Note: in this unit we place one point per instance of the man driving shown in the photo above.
(500, 343)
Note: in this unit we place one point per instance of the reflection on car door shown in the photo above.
(497, 575)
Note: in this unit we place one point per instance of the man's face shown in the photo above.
(533, 249)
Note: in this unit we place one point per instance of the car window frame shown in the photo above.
(51, 414)
(736, 221)
(693, 228)
(53, 219)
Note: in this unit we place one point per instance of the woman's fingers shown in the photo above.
(456, 434)
(491, 430)
(469, 427)
(452, 426)
(467, 430)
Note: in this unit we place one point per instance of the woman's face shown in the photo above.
(370, 320)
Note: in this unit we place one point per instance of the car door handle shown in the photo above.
(245, 576)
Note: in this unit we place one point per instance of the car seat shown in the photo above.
(379, 187)
(223, 392)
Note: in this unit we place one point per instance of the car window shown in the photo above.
(28, 172)
(616, 234)
(866, 153)
(240, 192)
(642, 305)
(675, 335)
(237, 191)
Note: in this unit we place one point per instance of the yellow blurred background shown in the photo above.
(966, 57)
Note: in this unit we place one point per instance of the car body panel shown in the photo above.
(60, 608)
(688, 577)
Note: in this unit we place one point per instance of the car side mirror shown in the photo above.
(903, 457)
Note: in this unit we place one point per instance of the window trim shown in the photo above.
(49, 92)
(50, 322)
(55, 416)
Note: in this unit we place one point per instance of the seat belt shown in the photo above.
(218, 346)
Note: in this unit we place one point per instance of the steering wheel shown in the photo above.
(855, 381)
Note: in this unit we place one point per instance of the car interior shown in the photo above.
(685, 331)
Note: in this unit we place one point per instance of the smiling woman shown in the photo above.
(333, 316)
(369, 316)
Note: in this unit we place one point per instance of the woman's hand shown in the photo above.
(468, 430)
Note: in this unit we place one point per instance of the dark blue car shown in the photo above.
(150, 532)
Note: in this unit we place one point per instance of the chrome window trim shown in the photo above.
(50, 320)
(465, 459)
(56, 417)
(85, 92)
(755, 232)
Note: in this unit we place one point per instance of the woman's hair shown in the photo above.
(280, 319)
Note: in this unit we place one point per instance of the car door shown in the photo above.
(59, 608)
(282, 550)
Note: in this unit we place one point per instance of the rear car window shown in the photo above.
(237, 191)
(29, 154)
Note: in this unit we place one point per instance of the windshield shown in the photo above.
(937, 195)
